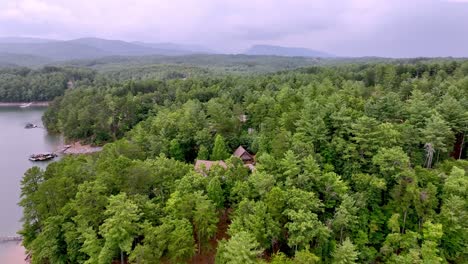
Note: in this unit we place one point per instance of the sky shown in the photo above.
(390, 28)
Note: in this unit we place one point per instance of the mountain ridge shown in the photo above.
(272, 50)
(96, 48)
(91, 47)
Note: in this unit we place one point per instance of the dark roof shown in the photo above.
(241, 151)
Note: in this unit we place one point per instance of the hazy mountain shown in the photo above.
(186, 49)
(59, 50)
(91, 48)
(122, 48)
(39, 51)
(285, 51)
(25, 40)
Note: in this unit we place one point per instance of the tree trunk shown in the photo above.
(461, 146)
(121, 257)
(341, 235)
(458, 146)
(199, 243)
(404, 222)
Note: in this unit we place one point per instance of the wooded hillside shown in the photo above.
(353, 164)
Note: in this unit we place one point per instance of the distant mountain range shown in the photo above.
(87, 48)
(285, 51)
(30, 51)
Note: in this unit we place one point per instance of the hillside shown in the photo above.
(15, 60)
(353, 164)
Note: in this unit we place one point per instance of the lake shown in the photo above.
(16, 144)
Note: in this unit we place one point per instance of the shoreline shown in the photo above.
(76, 148)
(23, 103)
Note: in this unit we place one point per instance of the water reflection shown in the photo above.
(12, 252)
(16, 144)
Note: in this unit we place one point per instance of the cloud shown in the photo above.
(344, 27)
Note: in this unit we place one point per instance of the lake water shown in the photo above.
(16, 144)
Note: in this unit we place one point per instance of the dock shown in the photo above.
(5, 239)
(63, 149)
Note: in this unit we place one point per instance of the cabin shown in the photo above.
(203, 166)
(244, 155)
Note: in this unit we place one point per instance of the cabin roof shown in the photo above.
(240, 151)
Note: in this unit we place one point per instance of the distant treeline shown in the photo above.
(25, 85)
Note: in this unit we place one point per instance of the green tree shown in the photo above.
(305, 257)
(203, 153)
(173, 240)
(303, 227)
(215, 192)
(391, 162)
(205, 219)
(438, 135)
(31, 201)
(120, 228)
(253, 218)
(345, 215)
(240, 248)
(49, 244)
(175, 150)
(220, 151)
(345, 253)
(429, 249)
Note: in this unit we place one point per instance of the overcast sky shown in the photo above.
(393, 28)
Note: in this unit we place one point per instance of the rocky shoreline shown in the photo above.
(77, 148)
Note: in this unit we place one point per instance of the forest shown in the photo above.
(25, 85)
(353, 163)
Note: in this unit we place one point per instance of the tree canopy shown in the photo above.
(357, 163)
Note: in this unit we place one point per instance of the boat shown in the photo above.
(30, 125)
(42, 156)
(25, 105)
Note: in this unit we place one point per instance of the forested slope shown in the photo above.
(354, 164)
(25, 85)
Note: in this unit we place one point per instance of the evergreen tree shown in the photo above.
(120, 228)
(345, 253)
(240, 248)
(215, 192)
(220, 151)
(203, 153)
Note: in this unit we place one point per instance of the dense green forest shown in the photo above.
(355, 163)
(25, 85)
(44, 83)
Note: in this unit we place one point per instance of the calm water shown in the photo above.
(16, 144)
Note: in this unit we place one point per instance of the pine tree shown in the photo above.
(438, 134)
(203, 153)
(345, 253)
(220, 151)
(215, 192)
(241, 248)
